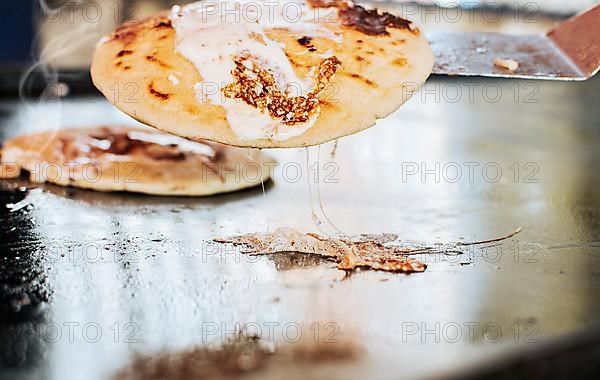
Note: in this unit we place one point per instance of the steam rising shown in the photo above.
(43, 111)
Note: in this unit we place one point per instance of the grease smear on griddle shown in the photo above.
(32, 196)
(244, 354)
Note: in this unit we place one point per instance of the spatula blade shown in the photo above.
(569, 52)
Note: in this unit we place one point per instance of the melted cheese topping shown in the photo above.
(169, 140)
(214, 34)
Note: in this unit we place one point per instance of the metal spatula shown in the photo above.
(569, 52)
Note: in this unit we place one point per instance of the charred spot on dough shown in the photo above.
(126, 33)
(119, 63)
(400, 61)
(325, 3)
(305, 41)
(156, 93)
(152, 58)
(163, 24)
(366, 81)
(326, 103)
(359, 41)
(370, 52)
(401, 41)
(127, 67)
(359, 58)
(124, 53)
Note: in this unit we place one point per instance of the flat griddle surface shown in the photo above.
(88, 280)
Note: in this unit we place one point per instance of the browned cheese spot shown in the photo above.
(368, 21)
(257, 87)
(372, 22)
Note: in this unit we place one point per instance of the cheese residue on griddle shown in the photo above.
(348, 254)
